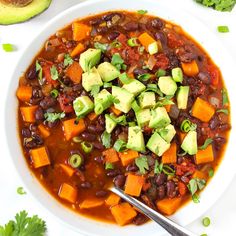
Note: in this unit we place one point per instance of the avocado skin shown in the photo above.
(10, 14)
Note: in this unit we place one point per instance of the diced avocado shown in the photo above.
(110, 123)
(143, 117)
(167, 85)
(91, 78)
(157, 144)
(89, 59)
(123, 99)
(147, 100)
(11, 14)
(102, 101)
(182, 97)
(135, 87)
(177, 74)
(159, 118)
(82, 106)
(135, 139)
(189, 144)
(153, 48)
(108, 72)
(167, 133)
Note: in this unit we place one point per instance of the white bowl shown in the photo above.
(87, 226)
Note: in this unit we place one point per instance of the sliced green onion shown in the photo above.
(76, 139)
(109, 166)
(142, 12)
(135, 106)
(211, 173)
(207, 142)
(106, 139)
(168, 170)
(119, 145)
(132, 42)
(116, 44)
(203, 235)
(144, 77)
(7, 47)
(39, 69)
(195, 198)
(102, 46)
(225, 99)
(160, 73)
(223, 29)
(54, 73)
(87, 147)
(225, 111)
(75, 160)
(20, 191)
(206, 221)
(54, 93)
(185, 125)
(107, 85)
(158, 167)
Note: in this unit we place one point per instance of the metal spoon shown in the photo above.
(170, 226)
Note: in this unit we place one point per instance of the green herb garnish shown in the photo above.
(87, 147)
(124, 78)
(219, 5)
(119, 145)
(187, 126)
(195, 198)
(95, 90)
(52, 117)
(225, 99)
(109, 166)
(144, 77)
(160, 73)
(206, 221)
(158, 167)
(102, 46)
(225, 111)
(132, 42)
(7, 47)
(223, 29)
(142, 164)
(24, 226)
(142, 12)
(168, 170)
(118, 62)
(39, 69)
(106, 139)
(75, 160)
(54, 93)
(211, 173)
(67, 60)
(20, 191)
(194, 185)
(54, 73)
(207, 142)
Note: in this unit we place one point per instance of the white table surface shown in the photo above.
(222, 214)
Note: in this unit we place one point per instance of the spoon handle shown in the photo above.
(170, 226)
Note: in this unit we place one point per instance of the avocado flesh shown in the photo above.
(10, 14)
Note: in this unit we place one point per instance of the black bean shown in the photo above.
(37, 92)
(113, 173)
(224, 127)
(95, 21)
(174, 112)
(33, 128)
(86, 185)
(152, 192)
(117, 130)
(157, 23)
(101, 120)
(30, 143)
(98, 145)
(52, 124)
(160, 179)
(101, 193)
(139, 219)
(131, 26)
(161, 192)
(218, 142)
(204, 77)
(77, 87)
(139, 71)
(48, 102)
(31, 74)
(39, 115)
(37, 139)
(88, 136)
(214, 122)
(25, 132)
(173, 59)
(162, 37)
(113, 35)
(171, 189)
(132, 168)
(99, 159)
(119, 181)
(109, 16)
(95, 129)
(102, 30)
(70, 44)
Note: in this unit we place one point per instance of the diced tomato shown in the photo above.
(184, 168)
(162, 61)
(182, 188)
(47, 75)
(122, 39)
(214, 74)
(132, 56)
(173, 41)
(65, 102)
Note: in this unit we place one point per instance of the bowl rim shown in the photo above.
(210, 187)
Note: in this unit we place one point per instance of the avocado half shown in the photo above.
(10, 14)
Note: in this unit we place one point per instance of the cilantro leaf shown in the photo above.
(102, 46)
(219, 5)
(118, 62)
(40, 72)
(51, 116)
(158, 167)
(54, 73)
(24, 226)
(142, 164)
(194, 185)
(67, 60)
(142, 12)
(95, 90)
(207, 142)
